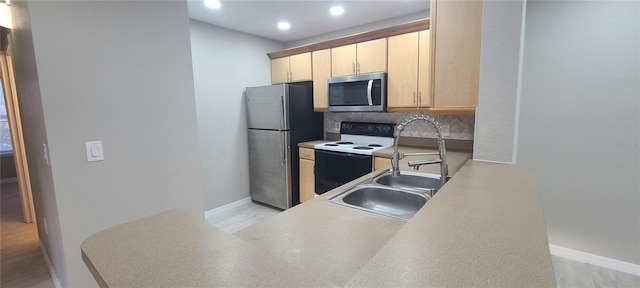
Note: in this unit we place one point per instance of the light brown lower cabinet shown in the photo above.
(307, 175)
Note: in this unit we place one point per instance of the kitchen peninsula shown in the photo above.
(484, 228)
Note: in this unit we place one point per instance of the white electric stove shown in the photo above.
(339, 162)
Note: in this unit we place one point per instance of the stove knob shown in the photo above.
(371, 127)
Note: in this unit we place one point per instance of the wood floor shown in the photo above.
(23, 264)
(21, 260)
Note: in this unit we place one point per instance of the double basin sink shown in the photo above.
(397, 197)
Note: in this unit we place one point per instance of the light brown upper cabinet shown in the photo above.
(456, 29)
(408, 71)
(321, 72)
(293, 68)
(360, 58)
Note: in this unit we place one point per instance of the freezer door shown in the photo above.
(270, 168)
(267, 107)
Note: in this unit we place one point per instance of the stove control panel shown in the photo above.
(368, 129)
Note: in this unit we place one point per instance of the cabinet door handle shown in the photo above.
(419, 97)
(290, 76)
(414, 98)
(358, 68)
(353, 67)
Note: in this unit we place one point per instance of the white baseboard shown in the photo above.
(227, 207)
(592, 259)
(56, 282)
(8, 180)
(491, 161)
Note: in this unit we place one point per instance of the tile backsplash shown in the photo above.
(460, 125)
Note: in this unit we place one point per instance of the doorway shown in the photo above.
(14, 126)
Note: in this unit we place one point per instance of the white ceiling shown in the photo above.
(307, 18)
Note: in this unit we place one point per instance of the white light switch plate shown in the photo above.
(94, 151)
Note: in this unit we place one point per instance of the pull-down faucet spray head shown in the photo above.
(395, 170)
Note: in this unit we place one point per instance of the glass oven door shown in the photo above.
(332, 169)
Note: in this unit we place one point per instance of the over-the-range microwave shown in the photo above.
(358, 93)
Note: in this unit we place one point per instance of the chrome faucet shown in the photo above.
(395, 162)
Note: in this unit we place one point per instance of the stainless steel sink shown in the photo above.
(382, 200)
(398, 197)
(413, 181)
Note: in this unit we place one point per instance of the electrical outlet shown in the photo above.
(46, 229)
(445, 130)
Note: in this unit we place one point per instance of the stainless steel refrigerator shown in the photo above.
(279, 117)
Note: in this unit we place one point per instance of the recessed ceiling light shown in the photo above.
(284, 25)
(212, 4)
(336, 10)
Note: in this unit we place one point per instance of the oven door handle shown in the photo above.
(343, 154)
(369, 87)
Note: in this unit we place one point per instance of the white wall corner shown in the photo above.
(597, 260)
(54, 277)
(516, 126)
(500, 59)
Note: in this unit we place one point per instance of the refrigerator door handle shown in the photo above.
(369, 86)
(284, 149)
(282, 112)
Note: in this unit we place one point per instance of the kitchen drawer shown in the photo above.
(307, 153)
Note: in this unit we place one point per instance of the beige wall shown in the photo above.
(580, 125)
(119, 72)
(576, 119)
(225, 62)
(35, 135)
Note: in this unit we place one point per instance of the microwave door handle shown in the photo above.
(369, 86)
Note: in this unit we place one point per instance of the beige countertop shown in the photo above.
(484, 228)
(174, 249)
(329, 240)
